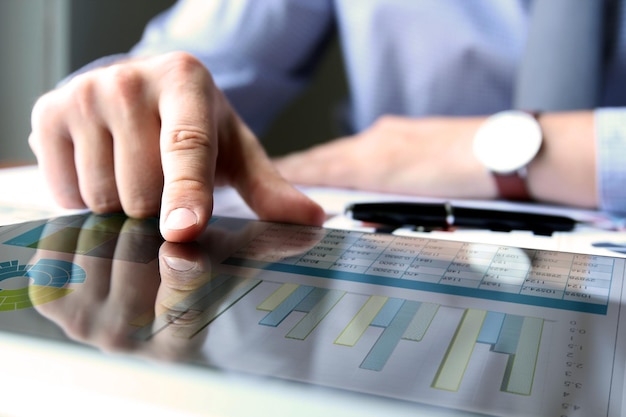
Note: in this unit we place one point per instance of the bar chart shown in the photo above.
(516, 336)
(394, 319)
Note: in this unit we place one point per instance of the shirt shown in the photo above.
(405, 57)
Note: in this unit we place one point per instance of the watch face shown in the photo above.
(508, 141)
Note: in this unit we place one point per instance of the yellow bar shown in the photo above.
(359, 323)
(277, 297)
(452, 368)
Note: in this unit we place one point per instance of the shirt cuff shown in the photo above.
(611, 159)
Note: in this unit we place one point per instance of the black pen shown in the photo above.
(444, 215)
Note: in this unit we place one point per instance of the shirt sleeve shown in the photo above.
(611, 159)
(260, 53)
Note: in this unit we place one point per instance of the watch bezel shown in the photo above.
(508, 141)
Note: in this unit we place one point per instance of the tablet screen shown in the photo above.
(475, 328)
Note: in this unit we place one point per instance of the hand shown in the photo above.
(154, 136)
(433, 157)
(430, 157)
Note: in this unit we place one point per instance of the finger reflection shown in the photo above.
(120, 282)
(189, 299)
(148, 297)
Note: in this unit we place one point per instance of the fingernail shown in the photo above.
(179, 264)
(181, 218)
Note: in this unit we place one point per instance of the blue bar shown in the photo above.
(520, 372)
(492, 325)
(310, 321)
(275, 317)
(509, 336)
(387, 313)
(390, 337)
(311, 300)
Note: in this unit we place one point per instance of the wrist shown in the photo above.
(506, 143)
(564, 172)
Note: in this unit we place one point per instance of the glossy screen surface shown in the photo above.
(472, 327)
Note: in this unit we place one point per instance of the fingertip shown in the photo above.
(181, 225)
(311, 213)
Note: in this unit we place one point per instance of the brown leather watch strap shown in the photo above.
(512, 186)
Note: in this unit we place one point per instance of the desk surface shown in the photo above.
(25, 197)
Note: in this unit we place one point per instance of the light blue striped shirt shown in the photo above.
(404, 57)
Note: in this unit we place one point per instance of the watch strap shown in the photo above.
(512, 186)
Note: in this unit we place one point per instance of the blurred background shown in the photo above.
(42, 41)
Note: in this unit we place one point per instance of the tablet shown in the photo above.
(285, 319)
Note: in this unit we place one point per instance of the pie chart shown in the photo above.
(27, 285)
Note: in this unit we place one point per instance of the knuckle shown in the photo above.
(125, 84)
(120, 85)
(188, 138)
(186, 185)
(82, 91)
(184, 63)
(183, 69)
(125, 87)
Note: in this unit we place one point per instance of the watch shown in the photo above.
(505, 144)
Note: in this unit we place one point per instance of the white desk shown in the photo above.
(25, 197)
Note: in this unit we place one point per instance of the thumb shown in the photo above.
(267, 193)
(274, 199)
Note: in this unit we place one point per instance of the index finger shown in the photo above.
(188, 142)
